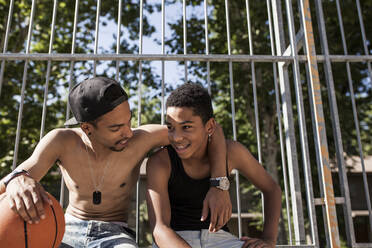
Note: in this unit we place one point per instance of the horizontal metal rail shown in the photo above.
(177, 57)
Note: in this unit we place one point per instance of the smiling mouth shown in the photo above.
(122, 142)
(181, 148)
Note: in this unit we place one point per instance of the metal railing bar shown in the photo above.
(335, 123)
(254, 88)
(46, 87)
(139, 107)
(298, 217)
(355, 115)
(118, 34)
(23, 89)
(98, 13)
(361, 23)
(365, 181)
(279, 117)
(162, 62)
(179, 57)
(207, 45)
(184, 36)
(232, 100)
(321, 146)
(70, 84)
(6, 39)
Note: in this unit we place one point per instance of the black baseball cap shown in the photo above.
(93, 98)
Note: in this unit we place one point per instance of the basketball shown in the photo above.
(16, 233)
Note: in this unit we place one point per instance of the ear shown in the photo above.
(87, 128)
(210, 126)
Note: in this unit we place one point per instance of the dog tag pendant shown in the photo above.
(96, 197)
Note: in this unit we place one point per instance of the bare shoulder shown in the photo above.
(238, 155)
(159, 161)
(235, 147)
(151, 136)
(63, 136)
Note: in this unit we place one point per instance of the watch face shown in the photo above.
(224, 183)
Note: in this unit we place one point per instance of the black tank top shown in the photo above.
(186, 197)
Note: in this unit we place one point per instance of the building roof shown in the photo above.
(354, 165)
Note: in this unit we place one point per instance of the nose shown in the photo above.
(127, 132)
(176, 136)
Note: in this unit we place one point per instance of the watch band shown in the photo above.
(13, 175)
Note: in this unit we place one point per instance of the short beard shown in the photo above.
(115, 149)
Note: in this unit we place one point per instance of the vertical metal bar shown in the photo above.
(231, 79)
(118, 40)
(365, 181)
(98, 12)
(288, 120)
(63, 186)
(334, 117)
(23, 89)
(140, 41)
(321, 138)
(254, 83)
(349, 222)
(185, 37)
(162, 62)
(279, 116)
(258, 133)
(207, 45)
(8, 24)
(48, 69)
(300, 107)
(364, 39)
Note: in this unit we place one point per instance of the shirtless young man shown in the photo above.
(100, 163)
(179, 176)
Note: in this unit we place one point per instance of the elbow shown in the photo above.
(158, 232)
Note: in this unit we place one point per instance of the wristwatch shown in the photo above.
(222, 183)
(13, 175)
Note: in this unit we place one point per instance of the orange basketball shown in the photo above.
(16, 233)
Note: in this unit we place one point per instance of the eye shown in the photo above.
(114, 129)
(187, 127)
(169, 127)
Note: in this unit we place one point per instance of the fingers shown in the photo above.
(205, 210)
(27, 199)
(212, 225)
(18, 206)
(39, 209)
(254, 243)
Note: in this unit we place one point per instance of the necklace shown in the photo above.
(97, 195)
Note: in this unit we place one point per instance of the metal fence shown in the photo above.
(285, 58)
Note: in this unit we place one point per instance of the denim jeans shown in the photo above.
(206, 239)
(96, 234)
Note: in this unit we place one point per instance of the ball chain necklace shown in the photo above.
(97, 195)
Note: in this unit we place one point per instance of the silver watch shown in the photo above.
(222, 183)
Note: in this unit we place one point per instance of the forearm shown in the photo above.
(272, 208)
(217, 153)
(166, 237)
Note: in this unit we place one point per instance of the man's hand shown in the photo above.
(257, 243)
(219, 203)
(26, 196)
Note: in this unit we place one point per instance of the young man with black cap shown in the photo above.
(100, 165)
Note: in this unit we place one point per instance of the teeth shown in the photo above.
(181, 147)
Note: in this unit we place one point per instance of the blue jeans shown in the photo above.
(206, 239)
(96, 234)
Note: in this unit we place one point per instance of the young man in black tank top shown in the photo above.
(179, 177)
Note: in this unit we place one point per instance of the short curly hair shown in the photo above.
(193, 96)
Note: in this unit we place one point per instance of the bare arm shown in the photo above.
(218, 201)
(158, 172)
(243, 161)
(25, 194)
